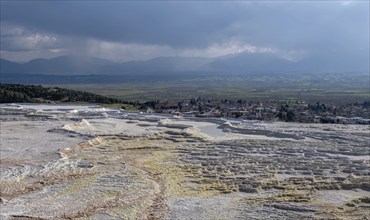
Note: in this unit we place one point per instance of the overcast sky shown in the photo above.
(132, 30)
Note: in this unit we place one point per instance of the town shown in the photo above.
(271, 110)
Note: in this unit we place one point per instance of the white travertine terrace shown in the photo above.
(88, 162)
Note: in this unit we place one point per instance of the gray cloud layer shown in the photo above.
(183, 28)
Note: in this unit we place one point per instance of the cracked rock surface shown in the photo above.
(88, 162)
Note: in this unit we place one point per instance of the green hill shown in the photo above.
(38, 94)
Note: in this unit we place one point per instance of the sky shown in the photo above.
(140, 30)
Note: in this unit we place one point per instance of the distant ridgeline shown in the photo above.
(34, 93)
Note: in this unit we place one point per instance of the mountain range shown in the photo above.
(242, 63)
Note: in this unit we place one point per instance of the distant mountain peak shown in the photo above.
(242, 63)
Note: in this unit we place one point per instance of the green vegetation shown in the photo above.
(36, 93)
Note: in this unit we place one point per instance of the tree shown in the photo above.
(290, 116)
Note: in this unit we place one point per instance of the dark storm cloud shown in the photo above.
(167, 23)
(293, 27)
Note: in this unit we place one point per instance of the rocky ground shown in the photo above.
(87, 162)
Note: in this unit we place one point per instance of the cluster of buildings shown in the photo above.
(270, 110)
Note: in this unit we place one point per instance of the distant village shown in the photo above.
(267, 110)
(271, 110)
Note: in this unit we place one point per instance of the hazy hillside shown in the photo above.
(242, 63)
(67, 64)
(10, 67)
(157, 65)
(250, 63)
(59, 65)
(245, 62)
